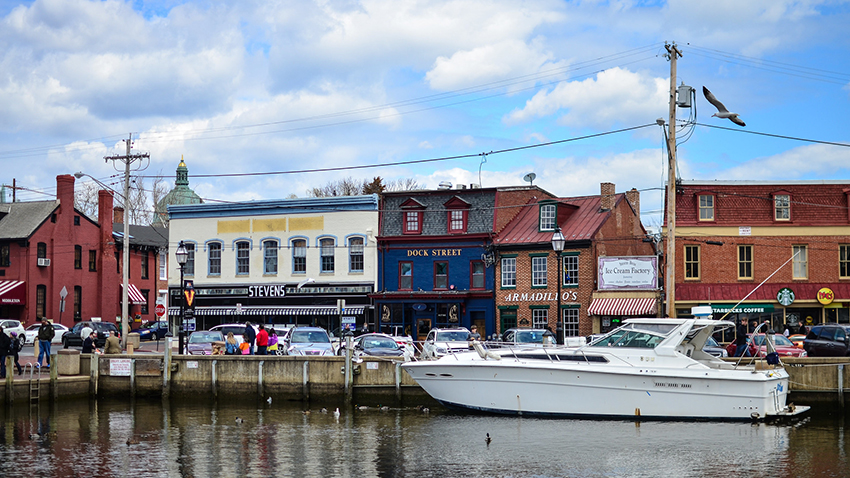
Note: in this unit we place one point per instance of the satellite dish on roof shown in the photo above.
(529, 178)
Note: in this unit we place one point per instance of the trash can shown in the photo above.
(68, 362)
(133, 338)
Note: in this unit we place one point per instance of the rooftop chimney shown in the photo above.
(118, 215)
(65, 192)
(607, 196)
(633, 195)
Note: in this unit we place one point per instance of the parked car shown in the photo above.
(829, 340)
(10, 326)
(32, 332)
(797, 339)
(237, 329)
(712, 347)
(306, 341)
(71, 337)
(522, 335)
(784, 347)
(152, 330)
(201, 342)
(376, 345)
(440, 342)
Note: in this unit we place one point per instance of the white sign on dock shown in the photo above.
(120, 367)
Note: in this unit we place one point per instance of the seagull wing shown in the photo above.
(737, 121)
(711, 99)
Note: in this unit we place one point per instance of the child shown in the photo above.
(245, 346)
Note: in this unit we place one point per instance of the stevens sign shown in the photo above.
(635, 272)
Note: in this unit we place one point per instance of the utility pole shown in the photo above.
(672, 54)
(128, 159)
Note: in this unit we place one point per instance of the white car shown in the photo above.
(237, 329)
(445, 341)
(32, 333)
(10, 326)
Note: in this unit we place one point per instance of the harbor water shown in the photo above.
(213, 439)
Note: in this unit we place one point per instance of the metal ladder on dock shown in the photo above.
(35, 385)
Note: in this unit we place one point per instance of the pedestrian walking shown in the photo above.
(250, 336)
(262, 340)
(45, 338)
(113, 345)
(15, 348)
(5, 344)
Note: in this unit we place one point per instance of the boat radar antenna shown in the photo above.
(529, 178)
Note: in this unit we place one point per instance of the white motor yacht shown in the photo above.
(647, 368)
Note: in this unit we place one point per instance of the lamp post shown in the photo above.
(125, 254)
(558, 245)
(182, 256)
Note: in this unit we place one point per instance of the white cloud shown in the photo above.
(820, 160)
(614, 96)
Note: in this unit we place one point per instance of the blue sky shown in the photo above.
(241, 87)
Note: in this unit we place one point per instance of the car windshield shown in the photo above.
(710, 342)
(310, 337)
(378, 343)
(779, 340)
(452, 336)
(205, 337)
(529, 337)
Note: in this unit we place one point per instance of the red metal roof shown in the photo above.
(579, 217)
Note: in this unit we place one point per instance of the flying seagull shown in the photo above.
(722, 112)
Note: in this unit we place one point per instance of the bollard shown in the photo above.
(214, 379)
(398, 381)
(132, 374)
(260, 379)
(166, 368)
(841, 385)
(10, 373)
(129, 348)
(348, 374)
(305, 374)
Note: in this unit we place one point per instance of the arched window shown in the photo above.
(270, 257)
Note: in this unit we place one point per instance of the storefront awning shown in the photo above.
(278, 311)
(134, 295)
(13, 292)
(616, 306)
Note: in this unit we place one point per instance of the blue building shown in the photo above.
(435, 259)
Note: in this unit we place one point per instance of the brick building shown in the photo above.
(48, 246)
(603, 226)
(732, 235)
(436, 257)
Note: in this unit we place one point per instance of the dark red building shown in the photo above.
(732, 235)
(49, 246)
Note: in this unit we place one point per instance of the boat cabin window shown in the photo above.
(646, 336)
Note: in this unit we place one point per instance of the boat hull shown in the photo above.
(580, 389)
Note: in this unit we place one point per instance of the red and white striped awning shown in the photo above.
(135, 295)
(13, 292)
(616, 306)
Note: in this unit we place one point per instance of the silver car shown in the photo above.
(445, 341)
(307, 341)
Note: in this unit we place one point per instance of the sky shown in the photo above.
(469, 92)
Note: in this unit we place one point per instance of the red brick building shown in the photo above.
(527, 267)
(48, 246)
(732, 235)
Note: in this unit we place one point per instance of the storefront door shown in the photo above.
(423, 326)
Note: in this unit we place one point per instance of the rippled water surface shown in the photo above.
(152, 439)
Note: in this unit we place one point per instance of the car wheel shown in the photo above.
(278, 351)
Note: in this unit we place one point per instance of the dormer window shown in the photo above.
(412, 215)
(548, 216)
(706, 207)
(458, 214)
(782, 207)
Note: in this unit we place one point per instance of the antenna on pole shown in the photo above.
(529, 178)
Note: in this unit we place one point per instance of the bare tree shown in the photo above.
(405, 184)
(355, 187)
(85, 199)
(141, 201)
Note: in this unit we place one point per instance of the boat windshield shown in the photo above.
(528, 337)
(646, 336)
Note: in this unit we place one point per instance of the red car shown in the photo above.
(784, 347)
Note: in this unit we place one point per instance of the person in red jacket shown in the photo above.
(262, 341)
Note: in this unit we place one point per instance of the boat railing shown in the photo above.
(768, 343)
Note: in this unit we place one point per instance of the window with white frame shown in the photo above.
(706, 207)
(456, 222)
(163, 264)
(270, 249)
(509, 272)
(327, 252)
(243, 258)
(570, 270)
(214, 259)
(539, 318)
(571, 322)
(548, 213)
(538, 271)
(299, 256)
(800, 262)
(355, 254)
(782, 207)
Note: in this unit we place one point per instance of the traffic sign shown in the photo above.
(160, 310)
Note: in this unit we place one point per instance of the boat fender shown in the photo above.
(485, 354)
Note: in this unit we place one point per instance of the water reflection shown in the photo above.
(205, 439)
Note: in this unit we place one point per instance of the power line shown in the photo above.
(781, 136)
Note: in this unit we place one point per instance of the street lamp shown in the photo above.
(182, 257)
(558, 245)
(125, 270)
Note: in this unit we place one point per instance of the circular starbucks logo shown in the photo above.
(785, 296)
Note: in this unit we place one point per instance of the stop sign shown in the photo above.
(160, 310)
